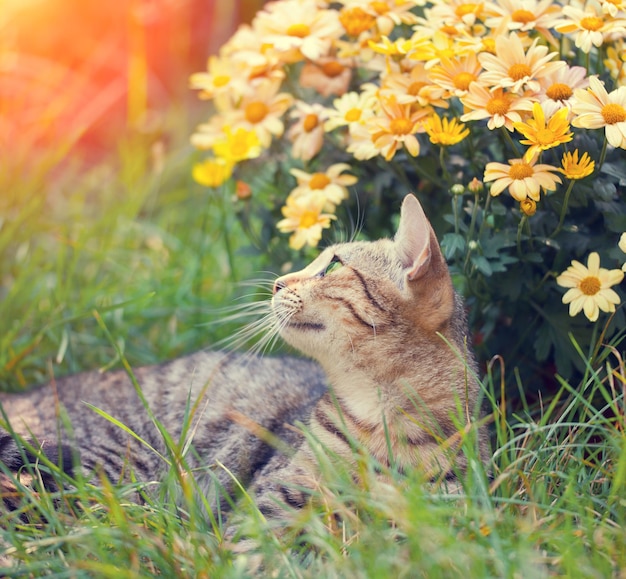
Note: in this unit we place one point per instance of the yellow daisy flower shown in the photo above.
(304, 218)
(457, 74)
(351, 108)
(557, 89)
(332, 184)
(523, 15)
(523, 178)
(307, 134)
(592, 28)
(515, 69)
(212, 172)
(298, 29)
(432, 49)
(238, 145)
(444, 132)
(501, 107)
(262, 111)
(413, 88)
(222, 78)
(395, 128)
(541, 135)
(574, 168)
(387, 14)
(355, 20)
(596, 108)
(454, 12)
(589, 287)
(328, 76)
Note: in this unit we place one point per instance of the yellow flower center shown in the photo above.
(353, 115)
(380, 7)
(310, 122)
(415, 88)
(498, 105)
(522, 16)
(333, 68)
(221, 80)
(255, 112)
(308, 219)
(449, 30)
(401, 126)
(299, 30)
(355, 20)
(592, 23)
(465, 9)
(590, 286)
(463, 80)
(519, 71)
(559, 92)
(613, 113)
(319, 181)
(520, 171)
(545, 137)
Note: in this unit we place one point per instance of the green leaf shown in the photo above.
(615, 222)
(615, 170)
(482, 264)
(451, 244)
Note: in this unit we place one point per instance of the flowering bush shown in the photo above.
(318, 105)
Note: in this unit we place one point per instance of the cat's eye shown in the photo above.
(334, 265)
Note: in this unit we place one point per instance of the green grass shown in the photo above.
(145, 252)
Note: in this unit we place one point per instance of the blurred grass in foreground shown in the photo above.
(553, 507)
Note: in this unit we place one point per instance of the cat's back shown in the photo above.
(217, 397)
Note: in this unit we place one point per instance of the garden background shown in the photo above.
(110, 251)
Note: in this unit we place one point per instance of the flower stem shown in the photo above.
(423, 173)
(564, 207)
(602, 155)
(520, 227)
(472, 226)
(509, 139)
(442, 162)
(485, 214)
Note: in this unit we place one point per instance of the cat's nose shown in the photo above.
(278, 285)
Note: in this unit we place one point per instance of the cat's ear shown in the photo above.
(413, 238)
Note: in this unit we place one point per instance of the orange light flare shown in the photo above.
(85, 71)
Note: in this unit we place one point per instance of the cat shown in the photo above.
(391, 366)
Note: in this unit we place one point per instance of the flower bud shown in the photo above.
(475, 186)
(528, 207)
(457, 189)
(243, 191)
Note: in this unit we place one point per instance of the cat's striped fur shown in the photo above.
(374, 315)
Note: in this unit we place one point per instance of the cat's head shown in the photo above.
(364, 299)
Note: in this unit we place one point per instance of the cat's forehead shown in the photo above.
(375, 257)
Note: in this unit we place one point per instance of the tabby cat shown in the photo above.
(393, 366)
